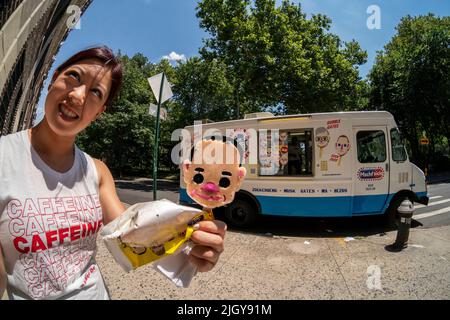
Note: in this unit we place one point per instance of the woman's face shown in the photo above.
(77, 96)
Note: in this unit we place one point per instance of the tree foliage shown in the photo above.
(201, 91)
(276, 56)
(411, 78)
(259, 57)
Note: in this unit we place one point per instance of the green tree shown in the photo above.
(275, 56)
(201, 91)
(411, 79)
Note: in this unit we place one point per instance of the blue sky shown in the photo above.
(158, 28)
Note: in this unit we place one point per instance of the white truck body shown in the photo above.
(330, 164)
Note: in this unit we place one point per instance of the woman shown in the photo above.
(54, 198)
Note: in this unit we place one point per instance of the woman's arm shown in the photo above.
(112, 207)
(2, 275)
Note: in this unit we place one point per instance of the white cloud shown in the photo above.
(173, 56)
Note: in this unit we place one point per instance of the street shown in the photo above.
(437, 213)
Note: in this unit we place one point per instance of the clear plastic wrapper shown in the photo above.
(150, 231)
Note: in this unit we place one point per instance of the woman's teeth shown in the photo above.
(67, 112)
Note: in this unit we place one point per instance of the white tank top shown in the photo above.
(48, 224)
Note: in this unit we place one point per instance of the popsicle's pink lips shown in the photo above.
(205, 197)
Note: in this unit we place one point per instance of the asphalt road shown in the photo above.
(131, 192)
(436, 214)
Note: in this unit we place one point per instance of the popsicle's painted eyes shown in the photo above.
(198, 178)
(224, 183)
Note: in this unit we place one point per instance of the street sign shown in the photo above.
(155, 84)
(424, 141)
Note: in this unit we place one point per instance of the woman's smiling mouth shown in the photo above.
(66, 113)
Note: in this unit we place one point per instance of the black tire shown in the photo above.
(392, 217)
(240, 213)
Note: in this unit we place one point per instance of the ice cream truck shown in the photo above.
(343, 164)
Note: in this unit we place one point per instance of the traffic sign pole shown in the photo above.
(156, 147)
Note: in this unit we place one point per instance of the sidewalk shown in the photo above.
(256, 266)
(263, 266)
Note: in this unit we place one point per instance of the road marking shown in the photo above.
(439, 202)
(432, 204)
(435, 197)
(432, 213)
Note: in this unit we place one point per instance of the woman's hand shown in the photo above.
(209, 239)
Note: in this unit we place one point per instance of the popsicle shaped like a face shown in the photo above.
(214, 175)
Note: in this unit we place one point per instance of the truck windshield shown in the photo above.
(398, 149)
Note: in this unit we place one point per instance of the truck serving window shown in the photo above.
(294, 154)
(398, 149)
(371, 146)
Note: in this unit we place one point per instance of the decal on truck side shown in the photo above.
(370, 174)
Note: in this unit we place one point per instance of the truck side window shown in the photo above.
(398, 150)
(294, 156)
(371, 146)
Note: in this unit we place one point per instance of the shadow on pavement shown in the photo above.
(320, 227)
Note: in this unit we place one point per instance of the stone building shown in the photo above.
(31, 33)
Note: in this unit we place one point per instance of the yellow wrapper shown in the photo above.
(141, 255)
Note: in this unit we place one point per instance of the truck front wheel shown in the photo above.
(240, 213)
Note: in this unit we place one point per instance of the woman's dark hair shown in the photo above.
(107, 57)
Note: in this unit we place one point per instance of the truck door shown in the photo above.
(371, 169)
